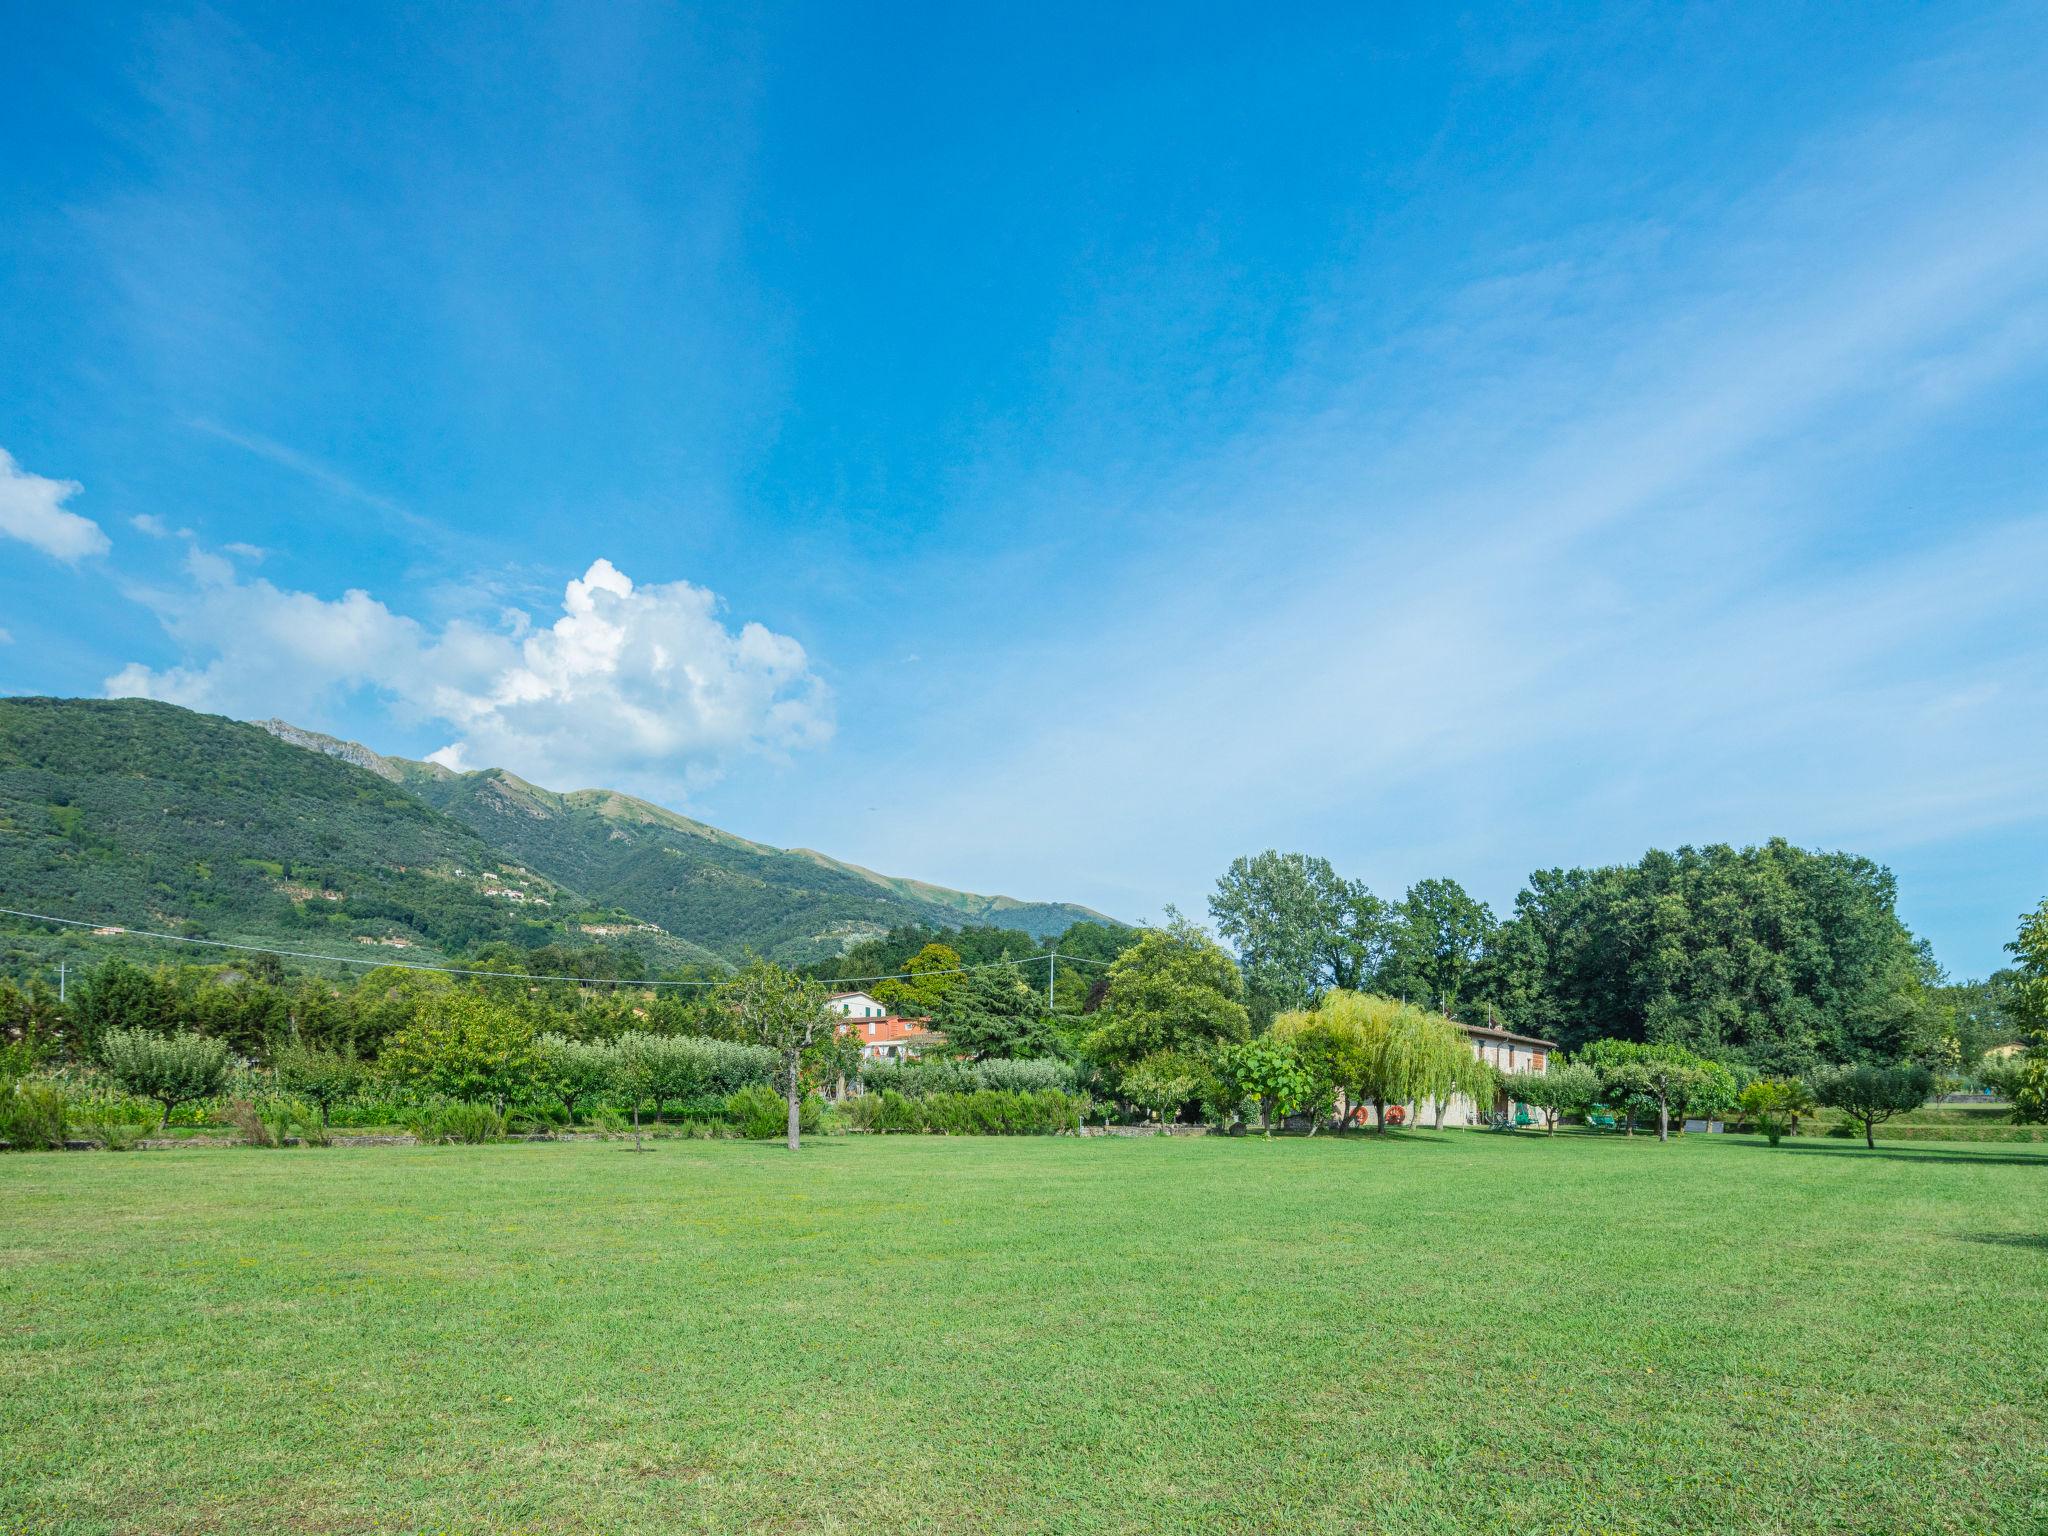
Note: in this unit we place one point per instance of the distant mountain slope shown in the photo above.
(145, 815)
(721, 891)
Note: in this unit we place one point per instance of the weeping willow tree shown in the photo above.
(1478, 1080)
(1445, 1065)
(1383, 1052)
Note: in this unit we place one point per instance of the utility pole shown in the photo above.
(1051, 971)
(60, 982)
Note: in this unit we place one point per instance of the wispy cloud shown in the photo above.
(1581, 573)
(336, 484)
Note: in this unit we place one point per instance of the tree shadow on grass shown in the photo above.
(2034, 1240)
(1895, 1152)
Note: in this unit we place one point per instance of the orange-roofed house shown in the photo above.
(884, 1036)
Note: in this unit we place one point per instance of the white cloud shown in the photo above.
(6, 637)
(630, 684)
(151, 524)
(32, 510)
(246, 551)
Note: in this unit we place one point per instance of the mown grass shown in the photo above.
(1430, 1333)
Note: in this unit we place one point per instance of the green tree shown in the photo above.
(993, 1013)
(2029, 1001)
(1164, 1081)
(787, 1014)
(1567, 1088)
(1440, 941)
(119, 996)
(1174, 990)
(1299, 929)
(2028, 1087)
(574, 1071)
(1266, 1071)
(935, 971)
(1773, 956)
(1667, 1078)
(323, 1078)
(1775, 1104)
(1872, 1095)
(172, 1069)
(1383, 1051)
(465, 1047)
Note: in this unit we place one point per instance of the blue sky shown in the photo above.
(1052, 450)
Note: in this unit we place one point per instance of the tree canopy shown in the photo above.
(1174, 990)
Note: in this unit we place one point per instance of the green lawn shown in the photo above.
(1448, 1332)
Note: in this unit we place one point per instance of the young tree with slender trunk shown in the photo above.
(1872, 1095)
(786, 1013)
(172, 1069)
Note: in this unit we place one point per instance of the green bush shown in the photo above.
(917, 1079)
(114, 1135)
(32, 1116)
(986, 1112)
(762, 1114)
(466, 1120)
(322, 1078)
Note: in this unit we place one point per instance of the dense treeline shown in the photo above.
(1776, 957)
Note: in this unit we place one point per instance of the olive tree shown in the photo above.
(1566, 1089)
(1872, 1095)
(1668, 1078)
(172, 1069)
(785, 1013)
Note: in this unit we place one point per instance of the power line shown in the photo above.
(112, 930)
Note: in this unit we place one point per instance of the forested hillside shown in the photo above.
(146, 815)
(721, 891)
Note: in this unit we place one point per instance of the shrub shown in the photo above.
(762, 1114)
(114, 1135)
(172, 1069)
(254, 1130)
(608, 1121)
(987, 1112)
(467, 1120)
(32, 1116)
(1775, 1104)
(2027, 1086)
(916, 1079)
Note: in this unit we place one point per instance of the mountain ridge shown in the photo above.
(618, 848)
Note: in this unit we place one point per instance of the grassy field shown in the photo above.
(1434, 1333)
